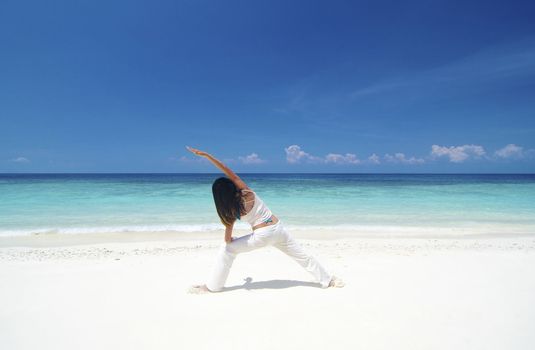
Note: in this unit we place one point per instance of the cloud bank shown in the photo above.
(510, 151)
(457, 154)
(252, 158)
(454, 154)
(294, 154)
(348, 158)
(400, 158)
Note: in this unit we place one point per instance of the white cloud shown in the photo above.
(20, 160)
(402, 159)
(457, 154)
(348, 158)
(374, 159)
(294, 154)
(252, 158)
(510, 151)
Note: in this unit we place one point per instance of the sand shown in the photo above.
(401, 293)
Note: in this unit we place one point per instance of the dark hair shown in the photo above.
(227, 199)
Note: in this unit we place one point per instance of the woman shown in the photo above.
(235, 200)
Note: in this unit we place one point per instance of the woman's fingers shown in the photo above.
(195, 151)
(191, 149)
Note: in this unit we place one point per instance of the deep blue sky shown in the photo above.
(123, 86)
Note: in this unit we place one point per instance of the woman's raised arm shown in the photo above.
(230, 174)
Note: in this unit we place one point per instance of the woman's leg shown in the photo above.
(226, 255)
(290, 247)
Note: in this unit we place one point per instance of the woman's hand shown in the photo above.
(197, 152)
(228, 233)
(230, 174)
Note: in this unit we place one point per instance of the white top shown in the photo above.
(259, 213)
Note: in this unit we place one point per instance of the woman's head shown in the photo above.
(227, 199)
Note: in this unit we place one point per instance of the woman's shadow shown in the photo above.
(272, 284)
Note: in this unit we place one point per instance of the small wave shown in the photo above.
(417, 231)
(390, 230)
(113, 229)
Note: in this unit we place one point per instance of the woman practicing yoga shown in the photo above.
(235, 200)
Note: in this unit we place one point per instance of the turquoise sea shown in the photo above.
(394, 204)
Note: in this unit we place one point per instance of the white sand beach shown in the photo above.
(401, 293)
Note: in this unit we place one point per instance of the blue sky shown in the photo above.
(268, 86)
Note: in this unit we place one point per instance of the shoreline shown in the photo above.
(102, 247)
(50, 240)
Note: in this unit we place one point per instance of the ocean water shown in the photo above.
(354, 203)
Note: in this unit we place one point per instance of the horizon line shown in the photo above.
(260, 173)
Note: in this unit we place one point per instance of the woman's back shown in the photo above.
(259, 212)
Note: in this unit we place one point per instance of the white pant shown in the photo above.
(274, 235)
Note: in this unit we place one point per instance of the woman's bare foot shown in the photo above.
(336, 282)
(199, 289)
